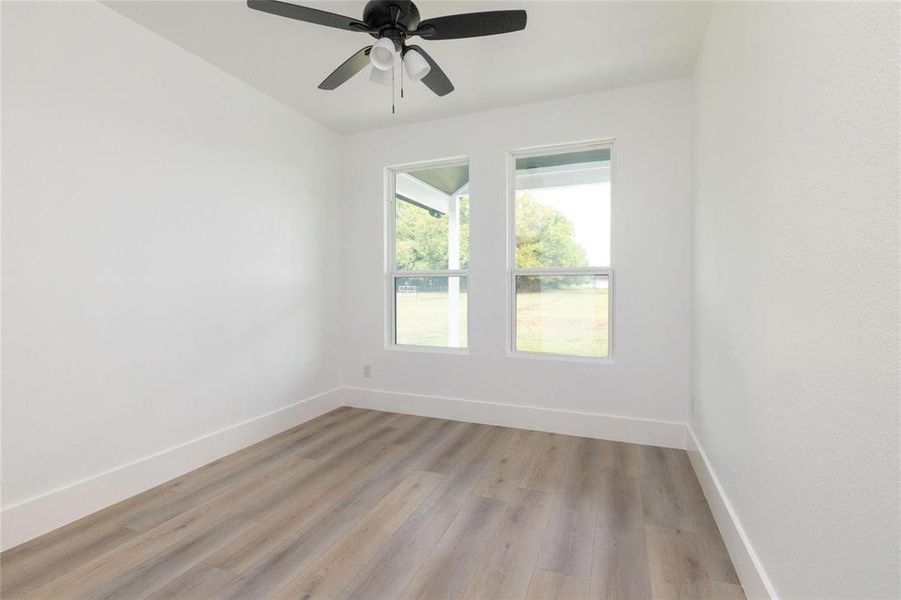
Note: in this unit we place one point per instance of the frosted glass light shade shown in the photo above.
(415, 65)
(382, 54)
(381, 77)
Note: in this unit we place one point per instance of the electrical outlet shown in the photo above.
(367, 370)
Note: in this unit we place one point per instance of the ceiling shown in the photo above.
(567, 48)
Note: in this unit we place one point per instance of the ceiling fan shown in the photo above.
(391, 22)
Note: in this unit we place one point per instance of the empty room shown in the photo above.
(482, 300)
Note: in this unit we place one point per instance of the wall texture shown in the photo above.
(169, 237)
(649, 377)
(796, 264)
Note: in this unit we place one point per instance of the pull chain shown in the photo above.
(392, 89)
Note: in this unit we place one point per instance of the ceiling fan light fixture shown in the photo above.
(382, 54)
(381, 76)
(416, 65)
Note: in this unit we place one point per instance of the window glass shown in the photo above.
(562, 314)
(562, 208)
(430, 256)
(431, 225)
(431, 311)
(561, 254)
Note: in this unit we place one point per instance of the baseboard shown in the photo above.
(35, 516)
(594, 425)
(750, 571)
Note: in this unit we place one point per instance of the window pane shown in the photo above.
(430, 311)
(562, 209)
(565, 314)
(431, 220)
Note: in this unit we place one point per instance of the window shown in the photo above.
(428, 255)
(562, 273)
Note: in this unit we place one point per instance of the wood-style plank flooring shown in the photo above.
(373, 505)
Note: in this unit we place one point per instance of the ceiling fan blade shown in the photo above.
(310, 15)
(348, 69)
(475, 24)
(435, 80)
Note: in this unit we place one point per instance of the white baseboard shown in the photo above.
(35, 516)
(667, 434)
(750, 571)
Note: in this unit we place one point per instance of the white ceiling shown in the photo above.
(567, 48)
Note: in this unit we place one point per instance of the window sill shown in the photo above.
(593, 360)
(428, 349)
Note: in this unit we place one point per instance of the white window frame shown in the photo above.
(391, 273)
(513, 272)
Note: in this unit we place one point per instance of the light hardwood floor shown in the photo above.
(372, 505)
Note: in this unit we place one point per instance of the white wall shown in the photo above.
(796, 262)
(650, 375)
(169, 239)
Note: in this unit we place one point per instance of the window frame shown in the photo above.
(390, 266)
(513, 272)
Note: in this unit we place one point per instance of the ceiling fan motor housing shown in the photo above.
(391, 19)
